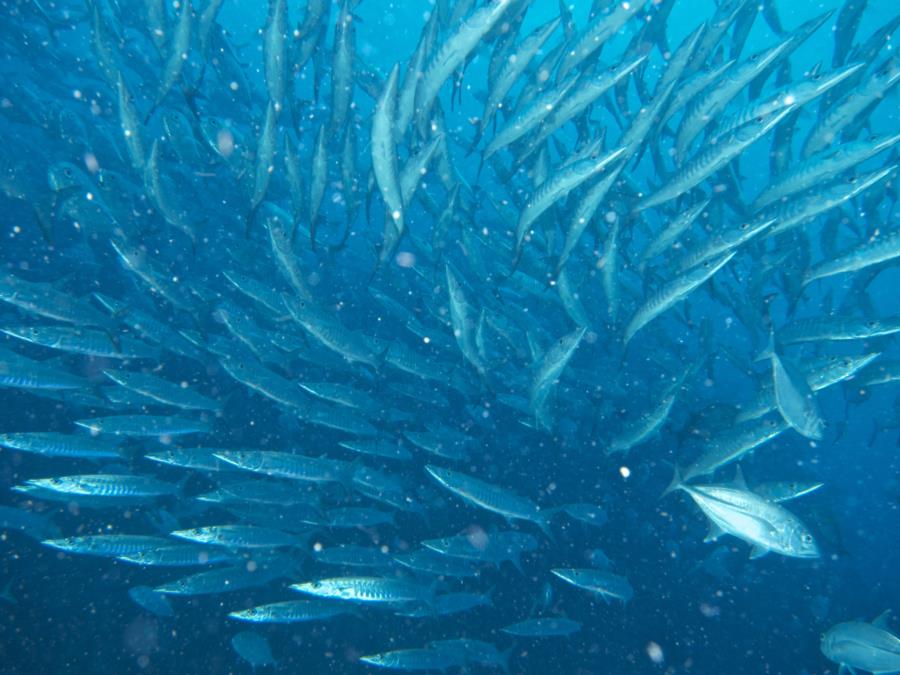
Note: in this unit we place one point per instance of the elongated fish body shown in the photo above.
(415, 67)
(461, 316)
(164, 391)
(673, 230)
(238, 537)
(643, 428)
(453, 52)
(341, 394)
(151, 328)
(107, 485)
(711, 158)
(795, 399)
(673, 292)
(493, 547)
(602, 582)
(529, 117)
(558, 186)
(107, 545)
(82, 341)
(342, 68)
(319, 182)
(584, 213)
(144, 425)
(784, 491)
(414, 659)
(543, 627)
(709, 105)
(355, 347)
(691, 87)
(597, 33)
(223, 580)
(765, 525)
(514, 66)
(265, 156)
(179, 46)
(42, 299)
(22, 373)
(288, 265)
(136, 260)
(878, 249)
(724, 241)
(287, 465)
(260, 379)
(275, 53)
(819, 376)
(132, 129)
(52, 444)
(550, 367)
(366, 590)
(829, 127)
(384, 162)
(490, 497)
(733, 444)
(290, 611)
(416, 167)
(821, 166)
(178, 555)
(836, 328)
(793, 94)
(432, 563)
(587, 90)
(349, 555)
(803, 208)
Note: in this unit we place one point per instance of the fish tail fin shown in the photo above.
(248, 225)
(150, 113)
(543, 522)
(769, 351)
(675, 483)
(475, 141)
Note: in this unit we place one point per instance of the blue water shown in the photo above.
(72, 614)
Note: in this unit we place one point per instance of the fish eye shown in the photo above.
(806, 538)
(744, 226)
(68, 172)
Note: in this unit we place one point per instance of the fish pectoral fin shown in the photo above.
(714, 533)
(758, 552)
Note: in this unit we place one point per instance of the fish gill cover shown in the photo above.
(449, 335)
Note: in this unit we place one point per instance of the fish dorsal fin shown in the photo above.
(769, 351)
(758, 552)
(534, 347)
(714, 532)
(739, 480)
(883, 620)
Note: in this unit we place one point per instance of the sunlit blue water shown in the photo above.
(692, 612)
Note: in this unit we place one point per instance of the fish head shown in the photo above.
(64, 175)
(832, 641)
(801, 542)
(66, 544)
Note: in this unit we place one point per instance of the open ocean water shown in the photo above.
(339, 336)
